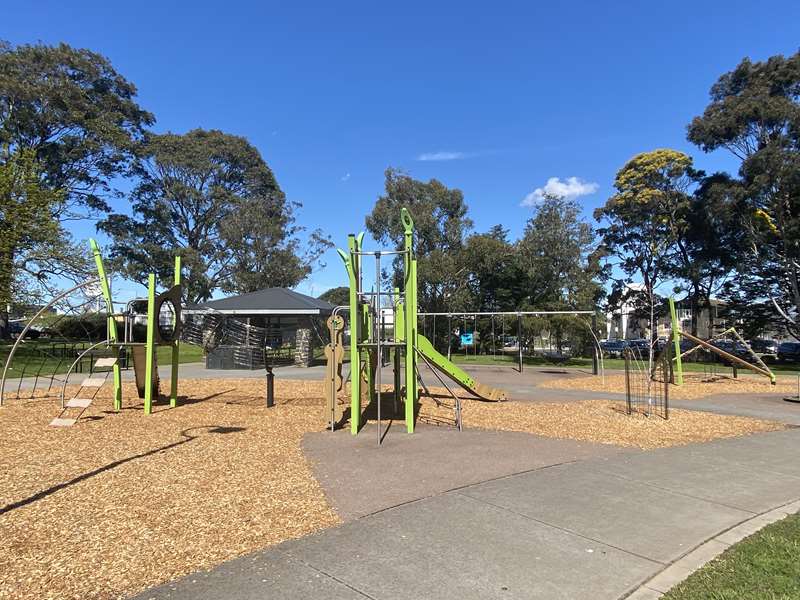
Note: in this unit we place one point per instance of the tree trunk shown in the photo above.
(711, 315)
(695, 307)
(6, 274)
(4, 325)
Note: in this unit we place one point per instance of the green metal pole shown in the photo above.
(676, 339)
(173, 393)
(150, 345)
(355, 331)
(112, 324)
(410, 318)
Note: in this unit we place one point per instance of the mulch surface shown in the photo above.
(603, 421)
(696, 385)
(121, 502)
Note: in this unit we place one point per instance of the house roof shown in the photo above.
(269, 301)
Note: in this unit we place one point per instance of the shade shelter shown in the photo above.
(290, 319)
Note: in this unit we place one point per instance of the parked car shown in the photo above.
(761, 346)
(640, 347)
(735, 348)
(15, 329)
(613, 348)
(789, 352)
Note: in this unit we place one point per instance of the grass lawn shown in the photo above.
(46, 357)
(586, 363)
(188, 353)
(764, 566)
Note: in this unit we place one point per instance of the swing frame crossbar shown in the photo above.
(597, 358)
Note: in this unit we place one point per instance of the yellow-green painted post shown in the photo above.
(351, 263)
(676, 339)
(409, 318)
(414, 330)
(150, 344)
(111, 323)
(173, 393)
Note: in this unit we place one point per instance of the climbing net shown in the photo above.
(647, 387)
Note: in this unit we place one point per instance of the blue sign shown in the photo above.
(466, 339)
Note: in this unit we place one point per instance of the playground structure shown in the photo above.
(758, 366)
(120, 343)
(371, 342)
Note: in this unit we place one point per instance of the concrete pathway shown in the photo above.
(586, 528)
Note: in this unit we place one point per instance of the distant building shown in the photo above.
(629, 321)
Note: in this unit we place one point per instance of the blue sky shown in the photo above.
(499, 97)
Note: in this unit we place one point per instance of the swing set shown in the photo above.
(470, 339)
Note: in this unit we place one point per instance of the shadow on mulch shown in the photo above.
(215, 429)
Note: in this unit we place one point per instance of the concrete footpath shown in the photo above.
(594, 527)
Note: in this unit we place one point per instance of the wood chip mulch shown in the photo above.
(696, 385)
(602, 421)
(121, 502)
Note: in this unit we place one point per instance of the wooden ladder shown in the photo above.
(75, 407)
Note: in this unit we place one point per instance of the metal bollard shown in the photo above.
(270, 388)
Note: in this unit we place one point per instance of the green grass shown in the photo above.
(764, 566)
(37, 355)
(188, 353)
(609, 363)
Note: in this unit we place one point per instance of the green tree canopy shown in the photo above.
(209, 196)
(754, 113)
(338, 296)
(34, 247)
(555, 257)
(490, 262)
(640, 223)
(76, 113)
(69, 124)
(441, 225)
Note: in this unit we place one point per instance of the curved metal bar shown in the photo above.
(75, 362)
(21, 337)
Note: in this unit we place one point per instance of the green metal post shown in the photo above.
(173, 393)
(112, 324)
(150, 346)
(410, 318)
(355, 332)
(676, 339)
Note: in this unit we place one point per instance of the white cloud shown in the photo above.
(570, 188)
(345, 177)
(443, 155)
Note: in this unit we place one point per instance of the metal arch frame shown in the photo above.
(21, 337)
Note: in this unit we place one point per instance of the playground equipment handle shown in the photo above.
(408, 222)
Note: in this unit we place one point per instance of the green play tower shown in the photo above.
(372, 340)
(369, 342)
